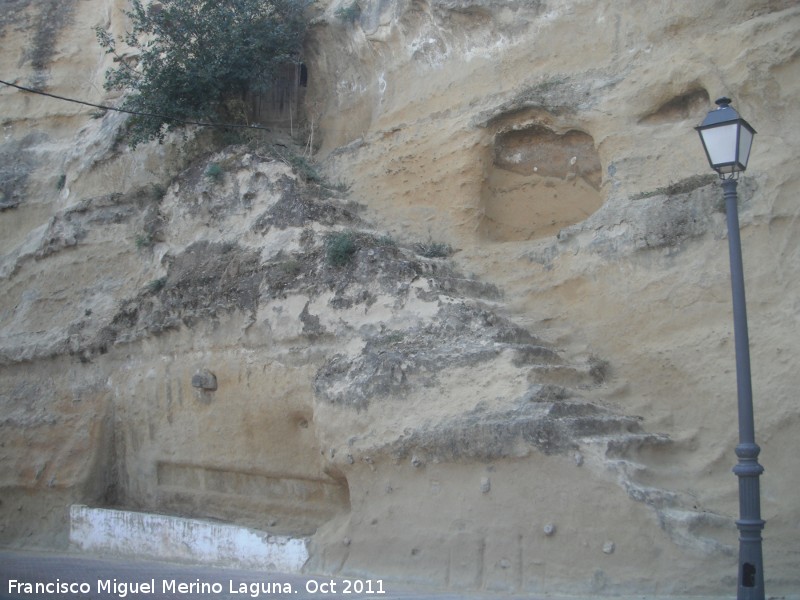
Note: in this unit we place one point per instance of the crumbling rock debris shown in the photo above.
(484, 435)
(296, 207)
(391, 364)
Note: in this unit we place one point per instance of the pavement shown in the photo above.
(64, 576)
(76, 576)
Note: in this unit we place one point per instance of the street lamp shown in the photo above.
(727, 139)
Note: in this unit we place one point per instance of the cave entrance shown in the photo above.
(281, 104)
(539, 182)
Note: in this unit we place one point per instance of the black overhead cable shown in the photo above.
(133, 112)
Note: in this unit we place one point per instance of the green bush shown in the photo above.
(340, 248)
(144, 240)
(385, 241)
(156, 285)
(348, 14)
(197, 58)
(431, 249)
(340, 186)
(214, 171)
(305, 168)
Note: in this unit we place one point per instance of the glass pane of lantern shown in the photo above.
(720, 143)
(745, 143)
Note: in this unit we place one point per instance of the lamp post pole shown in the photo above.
(748, 470)
(727, 139)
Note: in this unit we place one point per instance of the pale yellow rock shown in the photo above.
(551, 144)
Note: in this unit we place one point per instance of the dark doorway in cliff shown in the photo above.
(539, 181)
(281, 104)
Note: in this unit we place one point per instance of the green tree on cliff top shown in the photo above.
(192, 60)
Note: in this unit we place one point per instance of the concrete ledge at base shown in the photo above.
(144, 535)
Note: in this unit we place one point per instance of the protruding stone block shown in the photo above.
(205, 380)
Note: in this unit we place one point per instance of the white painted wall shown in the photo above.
(126, 533)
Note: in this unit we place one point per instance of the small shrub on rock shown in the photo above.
(340, 248)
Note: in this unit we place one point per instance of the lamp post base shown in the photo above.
(750, 525)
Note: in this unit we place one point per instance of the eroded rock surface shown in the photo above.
(502, 361)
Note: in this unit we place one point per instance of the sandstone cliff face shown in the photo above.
(503, 361)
